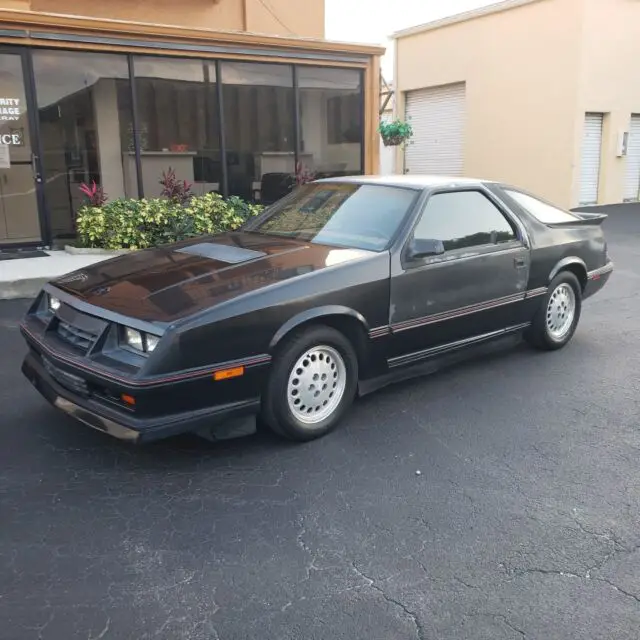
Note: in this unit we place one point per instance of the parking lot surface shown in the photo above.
(522, 523)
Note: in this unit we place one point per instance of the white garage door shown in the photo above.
(437, 116)
(632, 180)
(590, 162)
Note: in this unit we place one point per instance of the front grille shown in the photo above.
(75, 336)
(68, 380)
(77, 329)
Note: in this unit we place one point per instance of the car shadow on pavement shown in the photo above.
(83, 447)
(180, 453)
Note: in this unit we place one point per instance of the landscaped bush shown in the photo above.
(244, 210)
(138, 224)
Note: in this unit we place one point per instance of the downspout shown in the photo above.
(244, 9)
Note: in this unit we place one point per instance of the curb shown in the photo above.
(25, 288)
(107, 253)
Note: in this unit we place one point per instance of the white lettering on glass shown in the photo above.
(9, 109)
(12, 138)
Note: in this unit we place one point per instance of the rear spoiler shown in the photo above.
(582, 219)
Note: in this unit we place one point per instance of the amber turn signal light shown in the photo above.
(127, 399)
(225, 374)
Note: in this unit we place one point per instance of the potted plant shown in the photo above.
(176, 190)
(395, 133)
(303, 174)
(96, 197)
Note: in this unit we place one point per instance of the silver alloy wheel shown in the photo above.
(316, 384)
(561, 311)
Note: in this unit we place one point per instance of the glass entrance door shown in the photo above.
(19, 177)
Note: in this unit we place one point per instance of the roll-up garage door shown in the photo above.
(437, 116)
(632, 178)
(590, 161)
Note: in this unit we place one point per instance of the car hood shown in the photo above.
(168, 283)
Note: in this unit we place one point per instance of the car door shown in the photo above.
(469, 281)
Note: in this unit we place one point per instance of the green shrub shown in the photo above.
(91, 226)
(211, 209)
(138, 224)
(244, 209)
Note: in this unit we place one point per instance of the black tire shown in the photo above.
(275, 406)
(539, 335)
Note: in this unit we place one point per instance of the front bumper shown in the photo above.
(219, 422)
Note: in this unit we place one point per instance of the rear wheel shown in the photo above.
(558, 316)
(312, 384)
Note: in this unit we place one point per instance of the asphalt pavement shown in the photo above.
(523, 522)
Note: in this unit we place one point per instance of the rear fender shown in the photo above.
(570, 263)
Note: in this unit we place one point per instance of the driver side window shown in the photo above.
(463, 219)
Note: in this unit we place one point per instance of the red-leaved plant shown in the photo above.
(304, 174)
(174, 189)
(94, 193)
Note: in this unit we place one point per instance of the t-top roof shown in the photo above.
(411, 181)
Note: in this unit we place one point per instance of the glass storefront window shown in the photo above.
(19, 222)
(331, 127)
(259, 129)
(177, 123)
(82, 100)
(88, 130)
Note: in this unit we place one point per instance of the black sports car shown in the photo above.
(343, 286)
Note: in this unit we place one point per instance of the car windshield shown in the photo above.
(357, 216)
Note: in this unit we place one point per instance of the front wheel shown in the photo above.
(312, 384)
(558, 316)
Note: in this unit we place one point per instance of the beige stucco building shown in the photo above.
(541, 93)
(238, 97)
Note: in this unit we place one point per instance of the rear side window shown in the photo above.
(542, 211)
(462, 219)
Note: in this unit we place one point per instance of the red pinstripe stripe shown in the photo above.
(200, 373)
(457, 313)
(379, 332)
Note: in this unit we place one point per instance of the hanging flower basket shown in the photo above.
(392, 141)
(395, 133)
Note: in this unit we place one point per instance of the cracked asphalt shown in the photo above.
(524, 521)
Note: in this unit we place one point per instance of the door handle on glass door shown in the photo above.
(34, 168)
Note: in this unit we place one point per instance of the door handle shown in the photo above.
(34, 168)
(519, 263)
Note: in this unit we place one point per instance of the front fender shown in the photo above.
(314, 314)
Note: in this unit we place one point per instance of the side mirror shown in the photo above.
(423, 248)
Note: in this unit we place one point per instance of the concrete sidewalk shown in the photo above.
(24, 277)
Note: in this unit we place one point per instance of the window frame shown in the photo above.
(520, 240)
